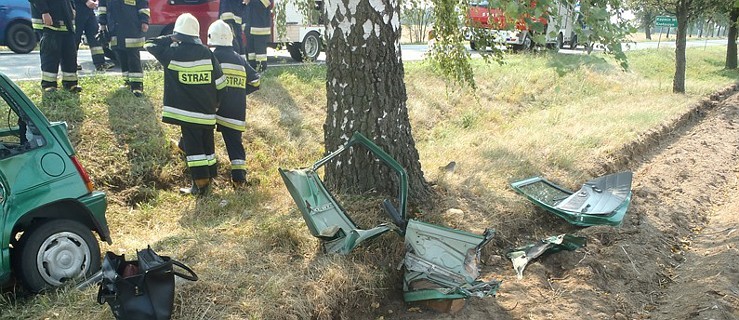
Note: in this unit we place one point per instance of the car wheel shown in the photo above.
(560, 41)
(311, 46)
(473, 45)
(294, 49)
(20, 38)
(55, 252)
(573, 42)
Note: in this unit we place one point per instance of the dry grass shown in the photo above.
(550, 115)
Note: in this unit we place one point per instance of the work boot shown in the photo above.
(104, 66)
(74, 89)
(138, 93)
(199, 188)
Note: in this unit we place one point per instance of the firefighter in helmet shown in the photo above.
(258, 28)
(241, 80)
(127, 21)
(193, 88)
(231, 11)
(55, 20)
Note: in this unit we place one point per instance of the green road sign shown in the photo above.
(666, 21)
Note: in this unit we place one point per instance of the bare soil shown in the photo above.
(676, 256)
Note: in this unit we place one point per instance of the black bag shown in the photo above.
(142, 289)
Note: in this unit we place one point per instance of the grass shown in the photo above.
(551, 115)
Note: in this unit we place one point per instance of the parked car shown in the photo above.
(15, 26)
(49, 206)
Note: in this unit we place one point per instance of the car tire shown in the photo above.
(54, 252)
(295, 50)
(311, 46)
(20, 38)
(573, 42)
(560, 41)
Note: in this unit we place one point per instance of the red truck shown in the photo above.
(559, 26)
(165, 12)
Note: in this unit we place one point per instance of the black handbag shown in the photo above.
(142, 289)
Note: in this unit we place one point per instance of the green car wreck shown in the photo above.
(440, 263)
(601, 201)
(50, 209)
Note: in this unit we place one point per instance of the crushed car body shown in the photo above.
(601, 201)
(443, 263)
(440, 263)
(521, 256)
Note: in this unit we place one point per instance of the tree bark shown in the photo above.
(678, 84)
(731, 51)
(647, 23)
(365, 92)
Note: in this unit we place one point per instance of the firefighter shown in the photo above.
(193, 87)
(258, 28)
(231, 11)
(55, 20)
(127, 21)
(241, 80)
(85, 22)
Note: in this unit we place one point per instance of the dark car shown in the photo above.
(50, 210)
(15, 26)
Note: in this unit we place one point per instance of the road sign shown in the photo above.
(666, 21)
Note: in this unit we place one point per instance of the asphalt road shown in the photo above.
(27, 66)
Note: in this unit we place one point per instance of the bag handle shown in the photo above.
(192, 276)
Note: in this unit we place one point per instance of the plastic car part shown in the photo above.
(443, 263)
(601, 201)
(521, 256)
(325, 218)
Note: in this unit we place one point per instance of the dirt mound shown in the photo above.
(674, 257)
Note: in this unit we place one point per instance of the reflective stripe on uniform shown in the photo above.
(97, 50)
(260, 31)
(48, 76)
(237, 125)
(255, 83)
(113, 41)
(188, 116)
(238, 164)
(265, 3)
(69, 76)
(136, 76)
(38, 24)
(252, 56)
(191, 66)
(221, 82)
(227, 16)
(261, 57)
(212, 160)
(197, 160)
(135, 42)
(102, 10)
(145, 11)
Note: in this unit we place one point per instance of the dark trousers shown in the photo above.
(130, 61)
(238, 42)
(236, 153)
(88, 25)
(200, 152)
(256, 51)
(58, 48)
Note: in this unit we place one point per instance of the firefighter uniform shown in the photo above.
(57, 45)
(241, 80)
(124, 20)
(231, 11)
(258, 28)
(86, 23)
(193, 86)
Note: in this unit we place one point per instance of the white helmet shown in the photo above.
(186, 24)
(219, 34)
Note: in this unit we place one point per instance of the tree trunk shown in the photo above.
(365, 92)
(647, 23)
(678, 84)
(731, 52)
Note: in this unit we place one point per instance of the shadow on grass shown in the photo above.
(137, 129)
(291, 117)
(565, 63)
